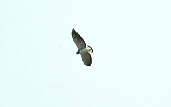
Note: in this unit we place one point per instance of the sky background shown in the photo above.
(131, 60)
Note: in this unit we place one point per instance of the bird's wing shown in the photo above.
(79, 41)
(86, 58)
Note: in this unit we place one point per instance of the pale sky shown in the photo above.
(131, 66)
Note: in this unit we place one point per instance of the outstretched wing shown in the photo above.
(79, 41)
(86, 58)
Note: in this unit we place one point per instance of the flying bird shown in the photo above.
(83, 49)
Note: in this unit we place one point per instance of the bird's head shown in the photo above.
(90, 49)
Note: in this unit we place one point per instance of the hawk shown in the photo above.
(83, 49)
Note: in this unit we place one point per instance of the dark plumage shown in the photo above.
(82, 49)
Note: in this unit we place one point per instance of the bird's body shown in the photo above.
(83, 49)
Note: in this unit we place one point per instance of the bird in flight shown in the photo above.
(83, 49)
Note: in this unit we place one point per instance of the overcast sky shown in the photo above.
(131, 66)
